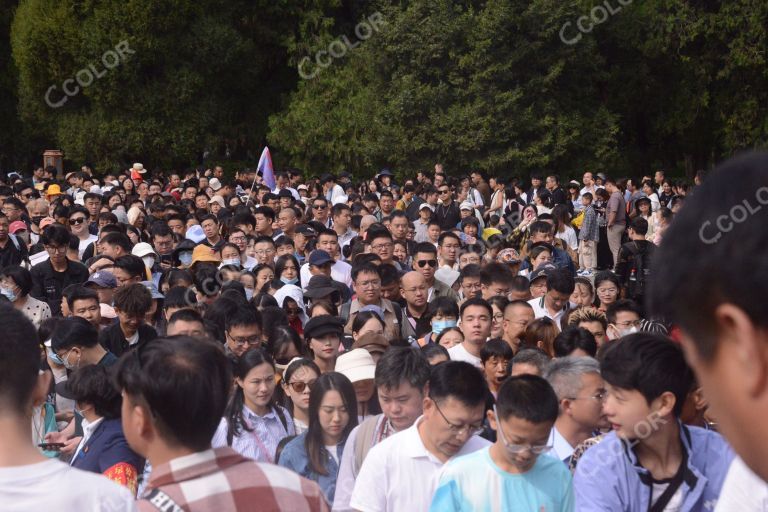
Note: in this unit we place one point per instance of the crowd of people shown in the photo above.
(212, 342)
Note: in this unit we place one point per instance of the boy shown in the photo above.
(132, 302)
(510, 474)
(650, 461)
(589, 235)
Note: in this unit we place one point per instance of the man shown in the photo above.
(92, 203)
(536, 188)
(543, 231)
(198, 382)
(264, 217)
(400, 379)
(481, 184)
(186, 322)
(422, 223)
(659, 178)
(237, 236)
(128, 270)
(331, 190)
(591, 319)
(387, 204)
(449, 244)
(633, 266)
(517, 316)
(320, 211)
(623, 319)
(447, 212)
(341, 271)
(84, 303)
(398, 225)
(114, 245)
(589, 184)
(162, 243)
(382, 245)
(301, 239)
(469, 282)
(104, 284)
(131, 305)
(555, 303)
(399, 473)
(425, 262)
(410, 203)
(286, 219)
(367, 284)
(616, 214)
(495, 280)
(553, 186)
(342, 220)
(264, 250)
(75, 343)
(243, 329)
(416, 322)
(12, 249)
(30, 480)
(50, 277)
(580, 393)
(213, 239)
(476, 316)
(177, 224)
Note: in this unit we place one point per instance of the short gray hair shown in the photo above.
(564, 374)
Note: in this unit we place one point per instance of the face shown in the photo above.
(242, 337)
(363, 390)
(629, 414)
(627, 322)
(451, 339)
(449, 249)
(56, 253)
(264, 252)
(184, 328)
(343, 219)
(163, 244)
(476, 324)
(325, 347)
(581, 295)
(425, 263)
(230, 253)
(298, 386)
(541, 259)
(607, 292)
(414, 290)
(402, 405)
(11, 211)
(88, 309)
(399, 252)
(372, 325)
(287, 220)
(399, 228)
(387, 204)
(516, 320)
(258, 385)
(513, 431)
(439, 418)
(383, 248)
(588, 179)
(470, 287)
(329, 244)
(556, 300)
(263, 223)
(497, 323)
(263, 277)
(290, 271)
(210, 228)
(493, 289)
(368, 287)
(538, 288)
(495, 369)
(320, 209)
(469, 258)
(597, 330)
(128, 320)
(333, 415)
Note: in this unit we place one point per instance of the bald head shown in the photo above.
(414, 289)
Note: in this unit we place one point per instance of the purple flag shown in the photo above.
(266, 170)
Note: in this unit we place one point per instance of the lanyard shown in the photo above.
(258, 440)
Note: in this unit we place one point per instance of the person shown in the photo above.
(607, 288)
(498, 304)
(584, 293)
(253, 424)
(28, 479)
(358, 366)
(495, 356)
(593, 320)
(475, 315)
(434, 354)
(490, 478)
(103, 448)
(168, 375)
(243, 330)
(530, 361)
(75, 344)
(414, 289)
(469, 281)
(15, 285)
(616, 216)
(367, 279)
(186, 322)
(541, 334)
(449, 337)
(650, 460)
(298, 378)
(84, 303)
(633, 267)
(316, 454)
(495, 279)
(589, 236)
(623, 318)
(399, 472)
(401, 376)
(443, 314)
(425, 262)
(575, 341)
(131, 305)
(50, 277)
(323, 336)
(580, 393)
(13, 251)
(518, 314)
(555, 303)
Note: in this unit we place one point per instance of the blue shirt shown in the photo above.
(294, 457)
(474, 483)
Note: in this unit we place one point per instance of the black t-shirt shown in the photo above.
(47, 284)
(10, 254)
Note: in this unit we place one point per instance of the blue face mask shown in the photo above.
(289, 281)
(439, 326)
(185, 258)
(9, 294)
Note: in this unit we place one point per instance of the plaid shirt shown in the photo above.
(589, 228)
(222, 480)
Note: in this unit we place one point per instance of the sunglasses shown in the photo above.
(299, 387)
(424, 263)
(77, 221)
(318, 206)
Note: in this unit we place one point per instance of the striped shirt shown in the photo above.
(222, 480)
(265, 434)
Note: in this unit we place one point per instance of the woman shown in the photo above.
(15, 284)
(400, 252)
(359, 367)
(604, 254)
(607, 288)
(565, 232)
(300, 374)
(322, 307)
(574, 197)
(520, 235)
(365, 322)
(650, 193)
(78, 224)
(253, 423)
(583, 293)
(323, 335)
(450, 337)
(541, 334)
(643, 209)
(248, 280)
(287, 269)
(498, 304)
(666, 193)
(498, 198)
(291, 299)
(230, 255)
(103, 448)
(316, 453)
(263, 274)
(234, 202)
(285, 345)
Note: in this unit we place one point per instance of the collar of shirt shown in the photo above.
(384, 304)
(561, 448)
(252, 416)
(90, 427)
(412, 445)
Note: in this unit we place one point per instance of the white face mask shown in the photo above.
(149, 261)
(231, 261)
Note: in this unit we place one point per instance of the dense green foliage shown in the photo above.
(474, 84)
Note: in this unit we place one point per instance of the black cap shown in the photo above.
(319, 257)
(325, 178)
(320, 286)
(322, 325)
(542, 271)
(305, 230)
(385, 172)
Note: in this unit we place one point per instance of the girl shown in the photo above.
(607, 288)
(444, 314)
(253, 424)
(316, 453)
(498, 304)
(287, 269)
(450, 337)
(300, 375)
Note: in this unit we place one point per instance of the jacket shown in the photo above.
(295, 457)
(609, 477)
(113, 339)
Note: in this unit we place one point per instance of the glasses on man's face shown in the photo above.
(424, 263)
(374, 283)
(8, 209)
(299, 386)
(597, 397)
(237, 239)
(444, 191)
(380, 247)
(517, 449)
(629, 323)
(76, 221)
(460, 430)
(245, 340)
(56, 248)
(264, 252)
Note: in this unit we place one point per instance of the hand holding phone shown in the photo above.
(51, 447)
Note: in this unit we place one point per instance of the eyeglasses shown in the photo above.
(299, 386)
(516, 449)
(375, 283)
(249, 340)
(319, 206)
(264, 252)
(56, 248)
(459, 430)
(77, 221)
(379, 247)
(237, 239)
(445, 191)
(630, 323)
(598, 397)
(498, 317)
(424, 263)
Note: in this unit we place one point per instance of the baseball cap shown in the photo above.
(17, 226)
(356, 365)
(102, 279)
(214, 183)
(305, 230)
(319, 257)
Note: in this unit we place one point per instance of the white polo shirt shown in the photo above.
(561, 448)
(540, 310)
(400, 474)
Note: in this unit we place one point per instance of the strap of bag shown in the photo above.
(363, 441)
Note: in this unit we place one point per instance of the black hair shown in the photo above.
(92, 384)
(133, 299)
(540, 226)
(302, 362)
(186, 315)
(648, 363)
(19, 360)
(180, 297)
(561, 280)
(528, 397)
(313, 443)
(21, 276)
(496, 348)
(471, 270)
(602, 276)
(362, 318)
(280, 266)
(389, 274)
(55, 234)
(426, 248)
(132, 265)
(476, 301)
(444, 306)
(118, 239)
(284, 336)
(458, 380)
(74, 331)
(184, 383)
(402, 365)
(496, 273)
(450, 234)
(520, 284)
(365, 268)
(620, 306)
(574, 338)
(639, 225)
(242, 316)
(176, 275)
(431, 350)
(81, 293)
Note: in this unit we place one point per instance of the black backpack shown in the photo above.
(639, 269)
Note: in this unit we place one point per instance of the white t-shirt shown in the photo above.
(569, 237)
(459, 353)
(399, 474)
(340, 271)
(742, 490)
(84, 245)
(52, 485)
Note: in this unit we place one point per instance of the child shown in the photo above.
(650, 461)
(589, 235)
(510, 474)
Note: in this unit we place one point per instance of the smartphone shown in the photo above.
(51, 446)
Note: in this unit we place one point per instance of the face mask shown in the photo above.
(185, 258)
(68, 365)
(290, 281)
(627, 332)
(55, 357)
(439, 326)
(37, 218)
(9, 294)
(248, 293)
(149, 261)
(231, 261)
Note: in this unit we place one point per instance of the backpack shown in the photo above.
(639, 269)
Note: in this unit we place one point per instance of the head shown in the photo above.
(186, 322)
(495, 279)
(541, 334)
(84, 303)
(560, 286)
(469, 280)
(476, 316)
(55, 239)
(518, 315)
(576, 342)
(583, 293)
(132, 302)
(401, 378)
(580, 391)
(449, 244)
(243, 330)
(593, 320)
(495, 357)
(623, 319)
(414, 289)
(332, 416)
(366, 322)
(529, 361)
(298, 378)
(367, 282)
(607, 288)
(425, 261)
